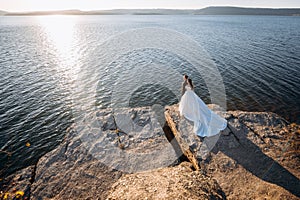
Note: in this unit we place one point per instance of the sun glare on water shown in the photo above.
(60, 33)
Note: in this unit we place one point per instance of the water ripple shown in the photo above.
(258, 58)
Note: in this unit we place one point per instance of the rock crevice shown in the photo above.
(125, 154)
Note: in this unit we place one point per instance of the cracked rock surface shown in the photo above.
(98, 150)
(179, 182)
(255, 157)
(124, 154)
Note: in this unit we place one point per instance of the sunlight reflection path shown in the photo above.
(61, 34)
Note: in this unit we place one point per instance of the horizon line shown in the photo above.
(153, 8)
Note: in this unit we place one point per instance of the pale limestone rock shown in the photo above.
(256, 156)
(95, 154)
(179, 182)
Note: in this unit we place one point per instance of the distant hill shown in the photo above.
(142, 12)
(108, 12)
(204, 11)
(246, 11)
(2, 12)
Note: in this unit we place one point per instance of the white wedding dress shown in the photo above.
(206, 122)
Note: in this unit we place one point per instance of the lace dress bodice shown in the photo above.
(188, 88)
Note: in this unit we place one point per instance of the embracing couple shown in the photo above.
(206, 122)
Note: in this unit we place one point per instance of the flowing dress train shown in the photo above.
(206, 122)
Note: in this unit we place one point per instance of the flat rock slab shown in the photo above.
(264, 161)
(124, 154)
(255, 157)
(179, 182)
(192, 146)
(98, 150)
(127, 139)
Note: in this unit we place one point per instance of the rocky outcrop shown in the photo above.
(125, 154)
(255, 157)
(98, 151)
(18, 185)
(179, 182)
(191, 145)
(173, 120)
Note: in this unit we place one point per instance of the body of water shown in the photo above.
(48, 63)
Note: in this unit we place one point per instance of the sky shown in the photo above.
(36, 5)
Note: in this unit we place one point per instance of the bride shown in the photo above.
(206, 122)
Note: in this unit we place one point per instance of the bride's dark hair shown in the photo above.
(191, 83)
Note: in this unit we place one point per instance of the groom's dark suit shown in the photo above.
(183, 87)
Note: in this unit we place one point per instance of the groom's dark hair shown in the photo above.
(185, 76)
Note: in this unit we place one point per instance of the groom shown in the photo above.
(185, 78)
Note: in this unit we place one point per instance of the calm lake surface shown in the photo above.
(48, 63)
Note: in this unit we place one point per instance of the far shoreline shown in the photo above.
(193, 12)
